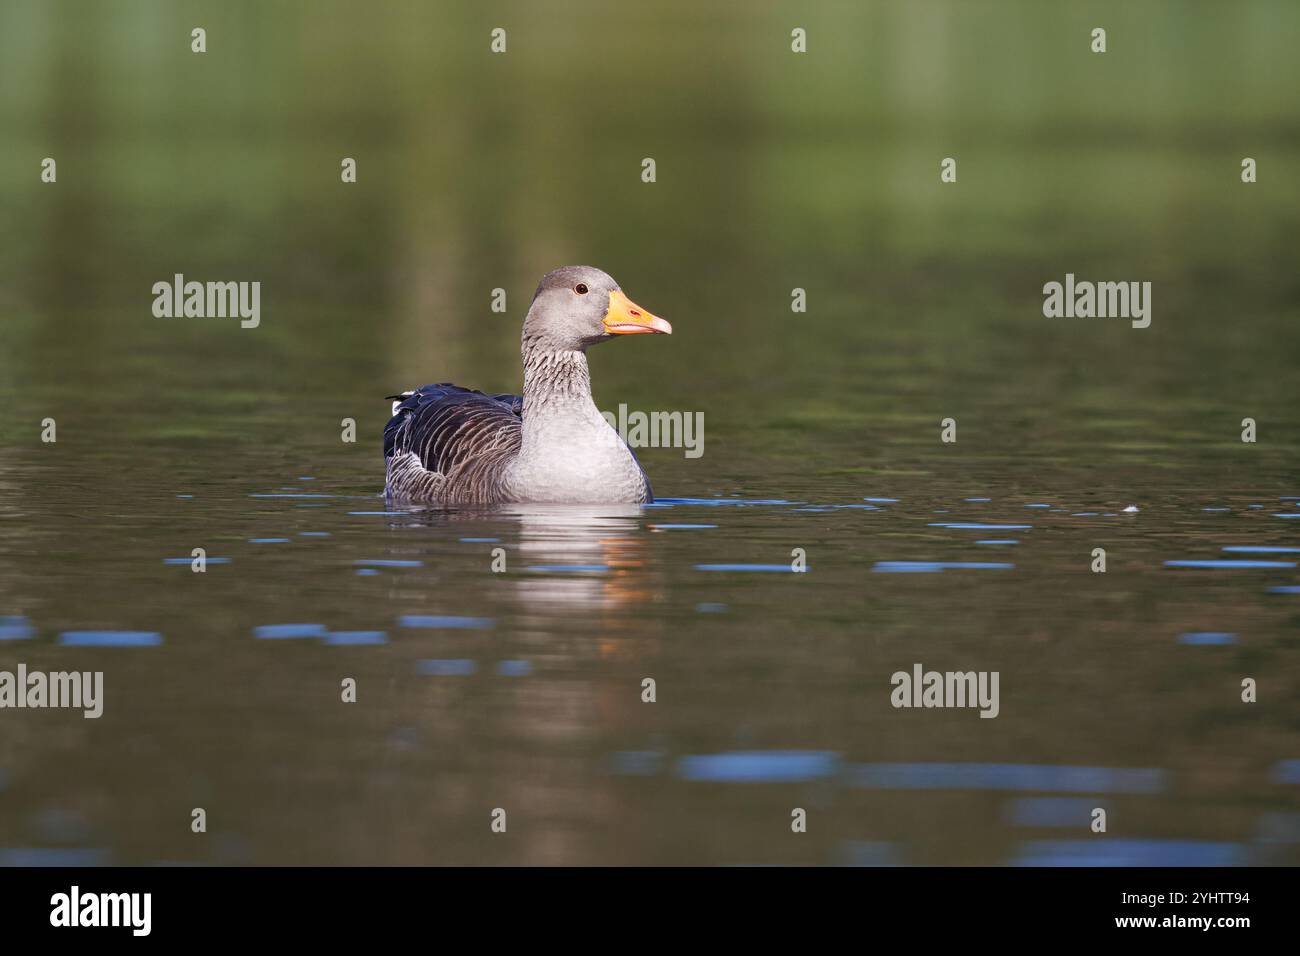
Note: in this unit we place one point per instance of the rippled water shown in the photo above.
(522, 689)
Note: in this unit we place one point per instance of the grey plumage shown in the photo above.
(448, 444)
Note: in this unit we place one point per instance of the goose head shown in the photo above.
(579, 306)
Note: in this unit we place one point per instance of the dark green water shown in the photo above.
(775, 171)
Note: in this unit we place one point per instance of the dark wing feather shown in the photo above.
(461, 437)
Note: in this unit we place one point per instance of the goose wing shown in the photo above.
(451, 443)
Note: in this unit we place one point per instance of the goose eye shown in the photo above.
(581, 288)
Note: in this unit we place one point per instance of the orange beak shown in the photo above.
(625, 317)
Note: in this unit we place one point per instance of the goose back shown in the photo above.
(448, 443)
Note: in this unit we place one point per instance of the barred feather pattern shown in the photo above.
(451, 444)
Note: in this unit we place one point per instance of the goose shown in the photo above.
(451, 445)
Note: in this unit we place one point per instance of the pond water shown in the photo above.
(521, 688)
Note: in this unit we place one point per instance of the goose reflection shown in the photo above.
(559, 557)
(590, 556)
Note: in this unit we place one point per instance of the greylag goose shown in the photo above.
(447, 444)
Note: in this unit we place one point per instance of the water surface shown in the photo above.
(523, 689)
